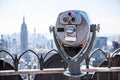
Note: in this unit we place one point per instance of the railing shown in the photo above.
(87, 70)
(56, 70)
(16, 59)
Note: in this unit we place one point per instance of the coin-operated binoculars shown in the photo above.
(73, 38)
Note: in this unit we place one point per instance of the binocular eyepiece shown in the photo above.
(72, 28)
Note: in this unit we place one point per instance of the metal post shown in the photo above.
(16, 63)
(74, 72)
(41, 62)
(74, 69)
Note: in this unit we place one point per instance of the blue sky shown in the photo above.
(39, 14)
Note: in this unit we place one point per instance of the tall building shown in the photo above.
(24, 36)
(3, 46)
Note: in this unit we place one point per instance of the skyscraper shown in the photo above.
(24, 36)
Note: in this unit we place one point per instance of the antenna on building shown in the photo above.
(34, 30)
(23, 19)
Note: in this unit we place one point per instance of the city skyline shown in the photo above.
(40, 14)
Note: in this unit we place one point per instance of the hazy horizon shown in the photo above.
(40, 14)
